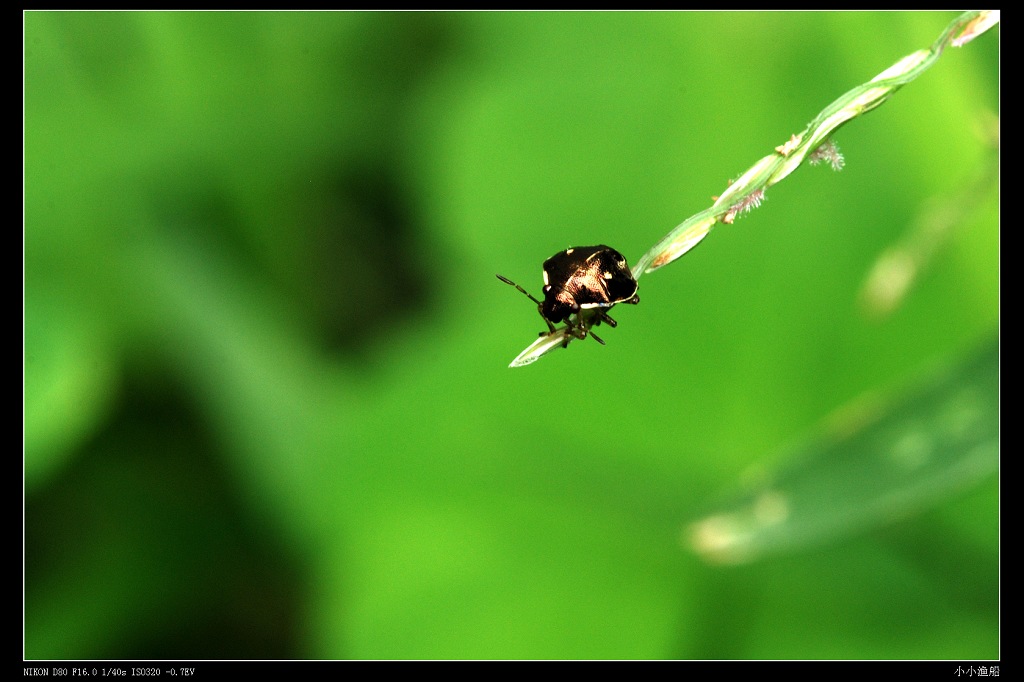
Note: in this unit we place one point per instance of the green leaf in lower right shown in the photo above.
(879, 460)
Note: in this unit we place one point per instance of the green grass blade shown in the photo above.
(542, 346)
(748, 190)
(875, 464)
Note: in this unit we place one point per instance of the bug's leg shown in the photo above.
(574, 330)
(603, 316)
(570, 333)
(593, 320)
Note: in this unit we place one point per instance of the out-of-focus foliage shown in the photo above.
(879, 460)
(267, 405)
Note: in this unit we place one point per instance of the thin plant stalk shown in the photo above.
(813, 144)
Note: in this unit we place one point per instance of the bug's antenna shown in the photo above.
(508, 281)
(540, 306)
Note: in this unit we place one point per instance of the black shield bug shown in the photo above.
(585, 282)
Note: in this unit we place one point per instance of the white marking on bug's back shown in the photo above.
(607, 275)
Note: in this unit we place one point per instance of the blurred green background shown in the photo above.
(268, 412)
